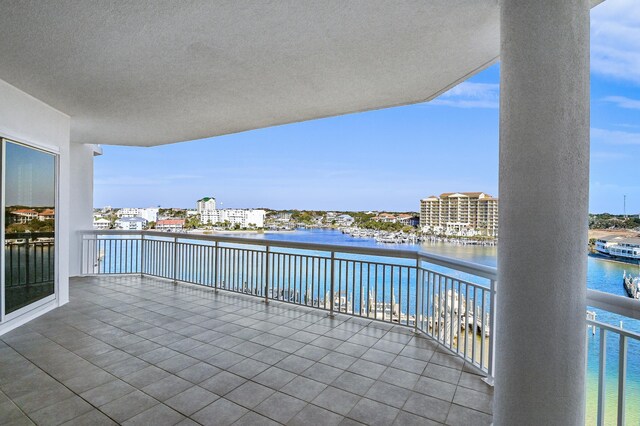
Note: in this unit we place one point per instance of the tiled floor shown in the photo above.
(144, 351)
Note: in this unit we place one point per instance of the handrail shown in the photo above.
(265, 268)
(464, 266)
(614, 329)
(390, 285)
(620, 305)
(473, 268)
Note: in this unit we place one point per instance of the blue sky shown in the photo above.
(389, 159)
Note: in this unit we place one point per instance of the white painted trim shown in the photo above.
(27, 316)
(51, 149)
(2, 227)
(26, 309)
(53, 298)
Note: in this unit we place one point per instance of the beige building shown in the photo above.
(460, 214)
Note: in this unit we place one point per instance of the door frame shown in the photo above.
(55, 152)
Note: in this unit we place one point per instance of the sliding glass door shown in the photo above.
(29, 202)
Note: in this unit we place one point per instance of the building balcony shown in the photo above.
(228, 68)
(225, 330)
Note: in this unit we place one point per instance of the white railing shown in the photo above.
(450, 300)
(447, 299)
(628, 308)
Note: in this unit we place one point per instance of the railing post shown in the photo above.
(82, 254)
(267, 270)
(215, 267)
(492, 334)
(332, 284)
(419, 291)
(141, 254)
(622, 378)
(602, 363)
(175, 260)
(26, 260)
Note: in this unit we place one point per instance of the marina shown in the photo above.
(386, 237)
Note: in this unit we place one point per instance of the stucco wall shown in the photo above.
(24, 118)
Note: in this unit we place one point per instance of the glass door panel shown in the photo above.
(30, 206)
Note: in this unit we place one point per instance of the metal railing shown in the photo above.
(29, 272)
(608, 334)
(29, 258)
(450, 300)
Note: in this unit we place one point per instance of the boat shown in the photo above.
(620, 248)
(16, 242)
(631, 285)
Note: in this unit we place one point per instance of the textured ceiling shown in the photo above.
(161, 71)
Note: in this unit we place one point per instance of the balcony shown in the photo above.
(138, 350)
(201, 70)
(224, 329)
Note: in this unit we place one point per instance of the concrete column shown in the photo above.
(544, 191)
(80, 200)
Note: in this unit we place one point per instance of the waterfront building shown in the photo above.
(128, 212)
(408, 219)
(206, 204)
(460, 214)
(101, 223)
(245, 218)
(330, 217)
(47, 214)
(283, 216)
(386, 217)
(170, 225)
(150, 214)
(344, 220)
(131, 223)
(403, 218)
(22, 215)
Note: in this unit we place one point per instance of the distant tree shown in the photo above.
(15, 228)
(192, 222)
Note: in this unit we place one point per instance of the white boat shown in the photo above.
(619, 247)
(631, 285)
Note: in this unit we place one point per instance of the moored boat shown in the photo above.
(631, 285)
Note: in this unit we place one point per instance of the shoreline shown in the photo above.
(237, 231)
(609, 259)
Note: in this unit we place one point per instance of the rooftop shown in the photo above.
(136, 350)
(170, 222)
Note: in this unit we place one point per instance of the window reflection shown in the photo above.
(29, 225)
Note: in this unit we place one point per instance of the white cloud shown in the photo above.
(470, 95)
(615, 137)
(623, 102)
(615, 40)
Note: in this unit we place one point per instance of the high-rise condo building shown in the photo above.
(460, 214)
(206, 204)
